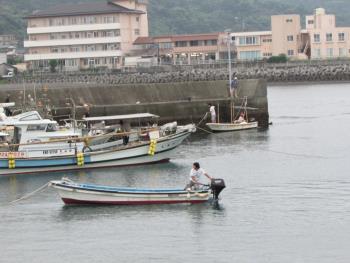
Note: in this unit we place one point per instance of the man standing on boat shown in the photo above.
(196, 176)
(212, 113)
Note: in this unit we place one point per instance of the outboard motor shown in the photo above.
(217, 185)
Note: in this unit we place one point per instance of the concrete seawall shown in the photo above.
(182, 101)
(270, 72)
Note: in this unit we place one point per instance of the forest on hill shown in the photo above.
(190, 16)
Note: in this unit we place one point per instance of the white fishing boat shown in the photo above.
(226, 127)
(40, 145)
(73, 193)
(236, 124)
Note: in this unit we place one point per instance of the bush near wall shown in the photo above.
(282, 58)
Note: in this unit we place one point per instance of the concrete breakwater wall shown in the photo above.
(181, 101)
(275, 73)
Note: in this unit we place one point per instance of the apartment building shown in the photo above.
(326, 39)
(85, 35)
(320, 39)
(183, 49)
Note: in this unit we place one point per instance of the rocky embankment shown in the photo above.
(278, 73)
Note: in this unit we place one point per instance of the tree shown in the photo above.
(53, 64)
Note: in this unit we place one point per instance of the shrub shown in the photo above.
(282, 58)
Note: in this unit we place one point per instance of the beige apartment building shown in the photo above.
(85, 35)
(320, 39)
(326, 39)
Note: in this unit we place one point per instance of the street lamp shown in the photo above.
(228, 31)
(229, 39)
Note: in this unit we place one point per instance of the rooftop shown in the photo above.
(187, 37)
(83, 9)
(257, 33)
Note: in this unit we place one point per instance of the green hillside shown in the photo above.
(190, 16)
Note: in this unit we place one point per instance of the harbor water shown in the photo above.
(287, 197)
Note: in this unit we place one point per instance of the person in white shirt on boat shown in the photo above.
(212, 113)
(241, 118)
(196, 177)
(2, 114)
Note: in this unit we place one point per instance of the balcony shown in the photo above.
(71, 42)
(73, 55)
(72, 28)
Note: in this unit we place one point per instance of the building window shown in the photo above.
(290, 52)
(310, 22)
(248, 41)
(317, 38)
(71, 63)
(165, 45)
(329, 37)
(194, 43)
(250, 55)
(290, 38)
(342, 52)
(341, 36)
(137, 19)
(212, 42)
(267, 40)
(110, 34)
(289, 20)
(181, 43)
(114, 46)
(137, 32)
(267, 54)
(316, 53)
(330, 52)
(109, 19)
(73, 21)
(75, 49)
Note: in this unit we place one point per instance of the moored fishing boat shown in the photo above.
(73, 193)
(226, 127)
(242, 123)
(39, 145)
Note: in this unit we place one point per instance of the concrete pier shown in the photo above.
(181, 101)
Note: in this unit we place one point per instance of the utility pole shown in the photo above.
(228, 31)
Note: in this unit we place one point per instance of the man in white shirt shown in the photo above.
(241, 118)
(196, 176)
(212, 113)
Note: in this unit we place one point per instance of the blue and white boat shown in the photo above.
(73, 193)
(36, 145)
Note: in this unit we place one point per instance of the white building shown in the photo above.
(86, 35)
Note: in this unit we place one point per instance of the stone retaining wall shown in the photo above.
(279, 73)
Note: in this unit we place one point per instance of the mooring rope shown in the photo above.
(205, 116)
(205, 130)
(42, 188)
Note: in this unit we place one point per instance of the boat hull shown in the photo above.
(75, 195)
(227, 127)
(137, 155)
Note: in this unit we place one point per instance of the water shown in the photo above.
(288, 197)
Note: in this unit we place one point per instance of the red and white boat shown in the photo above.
(73, 193)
